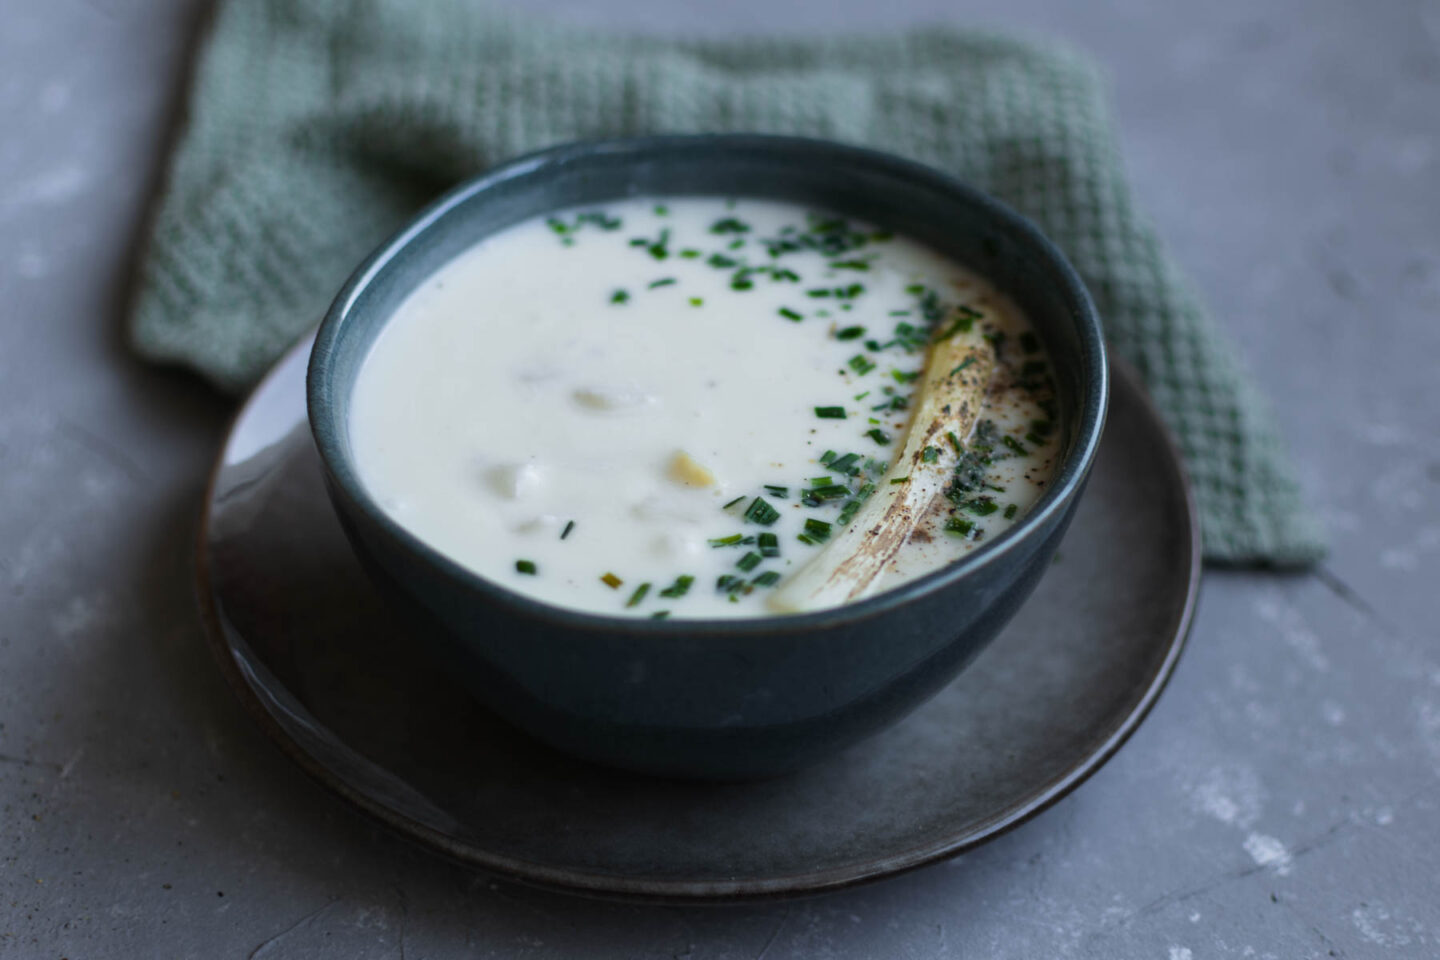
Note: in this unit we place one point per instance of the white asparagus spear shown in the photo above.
(948, 401)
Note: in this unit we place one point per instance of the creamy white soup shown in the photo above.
(691, 407)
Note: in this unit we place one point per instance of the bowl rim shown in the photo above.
(322, 385)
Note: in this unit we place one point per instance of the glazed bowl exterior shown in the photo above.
(732, 698)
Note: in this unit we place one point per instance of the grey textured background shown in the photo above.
(1282, 801)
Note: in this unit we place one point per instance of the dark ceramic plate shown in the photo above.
(313, 655)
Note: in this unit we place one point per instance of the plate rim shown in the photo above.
(645, 890)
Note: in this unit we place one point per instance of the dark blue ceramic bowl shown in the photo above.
(722, 699)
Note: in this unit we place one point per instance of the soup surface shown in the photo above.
(669, 407)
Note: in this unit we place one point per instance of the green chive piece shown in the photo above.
(958, 526)
(661, 210)
(735, 539)
(1014, 445)
(663, 282)
(830, 413)
(963, 364)
(732, 503)
(638, 595)
(897, 480)
(679, 588)
(726, 583)
(850, 333)
(833, 491)
(620, 296)
(729, 225)
(697, 302)
(930, 454)
(850, 265)
(780, 493)
(1038, 441)
(611, 581)
(1010, 511)
(568, 527)
(690, 254)
(526, 567)
(827, 456)
(767, 579)
(954, 441)
(659, 614)
(845, 463)
(769, 545)
(761, 512)
(749, 562)
(860, 364)
(817, 529)
(789, 314)
(879, 436)
(982, 507)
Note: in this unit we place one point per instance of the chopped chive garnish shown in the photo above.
(611, 581)
(895, 480)
(959, 526)
(526, 566)
(789, 314)
(844, 464)
(741, 283)
(901, 377)
(827, 456)
(749, 562)
(1010, 511)
(821, 481)
(1029, 343)
(778, 492)
(818, 292)
(769, 545)
(661, 210)
(726, 583)
(850, 333)
(1014, 445)
(620, 296)
(679, 588)
(852, 291)
(730, 225)
(761, 512)
(830, 413)
(789, 276)
(806, 540)
(690, 253)
(767, 579)
(659, 614)
(732, 503)
(729, 541)
(568, 527)
(860, 364)
(697, 302)
(930, 454)
(861, 396)
(850, 265)
(915, 289)
(982, 507)
(817, 529)
(735, 245)
(963, 364)
(899, 313)
(638, 595)
(1038, 441)
(720, 261)
(663, 282)
(833, 491)
(961, 325)
(879, 436)
(954, 441)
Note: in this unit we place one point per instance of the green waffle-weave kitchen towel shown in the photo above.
(316, 127)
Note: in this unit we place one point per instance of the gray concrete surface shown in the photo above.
(1282, 801)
